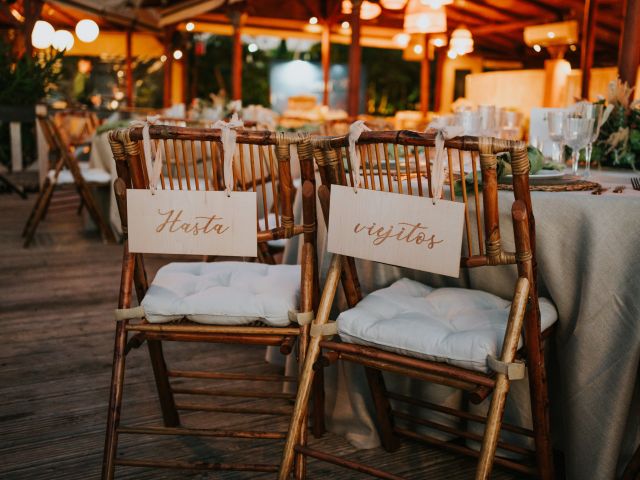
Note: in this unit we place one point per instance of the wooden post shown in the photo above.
(237, 20)
(129, 70)
(325, 49)
(440, 59)
(32, 9)
(588, 43)
(168, 67)
(424, 78)
(355, 60)
(629, 57)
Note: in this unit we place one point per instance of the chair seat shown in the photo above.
(223, 293)
(452, 325)
(90, 175)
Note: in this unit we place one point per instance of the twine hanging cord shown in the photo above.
(355, 130)
(443, 132)
(153, 157)
(228, 137)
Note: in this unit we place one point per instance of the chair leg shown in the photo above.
(87, 200)
(378, 390)
(40, 209)
(319, 427)
(115, 403)
(165, 395)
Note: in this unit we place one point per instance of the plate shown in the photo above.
(541, 175)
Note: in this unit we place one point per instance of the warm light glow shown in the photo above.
(177, 54)
(435, 4)
(190, 26)
(438, 42)
(551, 35)
(313, 20)
(461, 41)
(537, 48)
(345, 25)
(347, 7)
(393, 4)
(163, 58)
(573, 48)
(417, 49)
(113, 104)
(87, 30)
(17, 15)
(42, 34)
(252, 48)
(401, 39)
(369, 11)
(451, 54)
(62, 40)
(120, 73)
(420, 18)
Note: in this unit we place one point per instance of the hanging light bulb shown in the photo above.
(401, 39)
(369, 10)
(347, 7)
(419, 18)
(42, 34)
(87, 30)
(461, 41)
(393, 4)
(62, 40)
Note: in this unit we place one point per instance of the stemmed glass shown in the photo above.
(594, 112)
(469, 121)
(555, 124)
(576, 135)
(487, 120)
(510, 123)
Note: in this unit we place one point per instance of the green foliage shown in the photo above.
(27, 80)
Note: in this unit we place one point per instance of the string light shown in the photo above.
(177, 54)
(190, 26)
(87, 30)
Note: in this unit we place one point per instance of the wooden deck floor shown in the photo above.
(56, 304)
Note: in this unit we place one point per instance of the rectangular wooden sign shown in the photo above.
(401, 230)
(192, 222)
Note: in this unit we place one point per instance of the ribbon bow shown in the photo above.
(443, 132)
(152, 158)
(355, 130)
(228, 137)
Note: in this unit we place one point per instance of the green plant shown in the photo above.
(26, 80)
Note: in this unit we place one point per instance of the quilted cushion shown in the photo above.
(223, 293)
(453, 325)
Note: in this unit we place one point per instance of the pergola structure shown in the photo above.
(609, 33)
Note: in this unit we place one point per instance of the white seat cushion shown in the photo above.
(91, 175)
(223, 293)
(452, 325)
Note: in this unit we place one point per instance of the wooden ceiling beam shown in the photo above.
(507, 27)
(484, 12)
(521, 8)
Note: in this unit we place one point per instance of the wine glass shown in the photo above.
(510, 123)
(555, 124)
(576, 135)
(469, 121)
(594, 112)
(487, 120)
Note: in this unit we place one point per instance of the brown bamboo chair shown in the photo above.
(66, 172)
(481, 247)
(270, 158)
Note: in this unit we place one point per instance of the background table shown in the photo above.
(588, 253)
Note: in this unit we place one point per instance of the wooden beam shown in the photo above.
(116, 18)
(508, 26)
(325, 51)
(355, 60)
(441, 56)
(168, 66)
(186, 10)
(129, 70)
(424, 78)
(629, 57)
(237, 20)
(588, 44)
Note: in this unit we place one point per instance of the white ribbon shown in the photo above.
(228, 137)
(153, 159)
(355, 130)
(443, 132)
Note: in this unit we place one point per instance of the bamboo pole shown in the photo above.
(355, 61)
(629, 57)
(588, 44)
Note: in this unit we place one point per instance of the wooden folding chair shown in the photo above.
(66, 172)
(400, 162)
(269, 158)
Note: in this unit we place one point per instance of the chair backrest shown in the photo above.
(193, 160)
(59, 149)
(400, 162)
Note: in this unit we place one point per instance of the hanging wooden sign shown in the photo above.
(402, 230)
(192, 222)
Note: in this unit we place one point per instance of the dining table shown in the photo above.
(588, 256)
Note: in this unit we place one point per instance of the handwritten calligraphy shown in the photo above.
(173, 223)
(402, 232)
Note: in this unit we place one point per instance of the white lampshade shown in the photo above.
(42, 34)
(393, 4)
(419, 18)
(62, 40)
(436, 3)
(369, 10)
(461, 41)
(87, 30)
